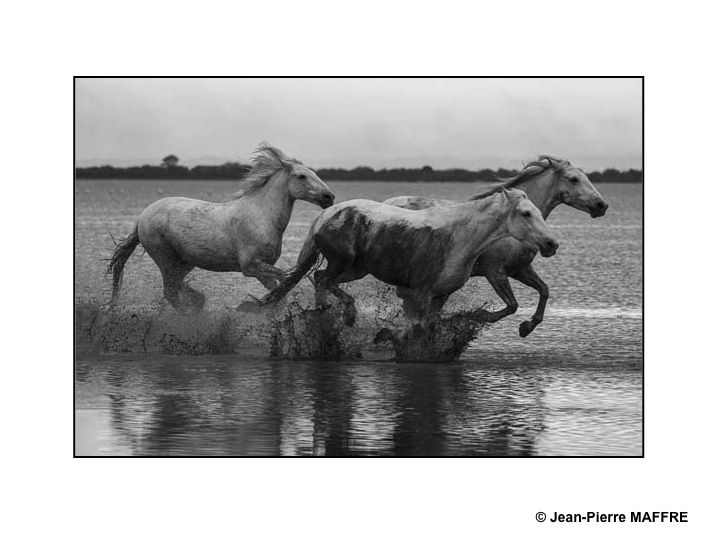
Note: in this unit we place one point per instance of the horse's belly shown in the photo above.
(391, 276)
(402, 267)
(215, 264)
(404, 257)
(202, 247)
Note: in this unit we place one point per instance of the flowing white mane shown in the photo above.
(267, 161)
(529, 171)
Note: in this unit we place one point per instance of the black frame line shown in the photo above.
(641, 77)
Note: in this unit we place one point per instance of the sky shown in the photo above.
(444, 123)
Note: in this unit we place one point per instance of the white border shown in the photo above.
(49, 493)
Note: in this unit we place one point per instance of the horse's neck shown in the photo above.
(542, 191)
(485, 219)
(275, 201)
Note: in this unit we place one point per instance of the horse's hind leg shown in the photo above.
(321, 290)
(265, 273)
(193, 297)
(173, 271)
(422, 310)
(178, 293)
(528, 277)
(328, 279)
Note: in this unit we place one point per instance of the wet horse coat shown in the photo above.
(429, 253)
(548, 182)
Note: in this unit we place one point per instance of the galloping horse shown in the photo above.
(243, 234)
(429, 253)
(548, 182)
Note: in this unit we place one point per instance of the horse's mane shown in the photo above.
(267, 161)
(532, 169)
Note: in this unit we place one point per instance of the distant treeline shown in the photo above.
(235, 171)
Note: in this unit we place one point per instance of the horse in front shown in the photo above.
(242, 234)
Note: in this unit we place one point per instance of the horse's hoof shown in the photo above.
(525, 329)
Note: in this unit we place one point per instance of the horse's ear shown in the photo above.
(507, 195)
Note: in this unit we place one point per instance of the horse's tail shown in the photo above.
(308, 260)
(123, 250)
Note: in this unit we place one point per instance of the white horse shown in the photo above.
(548, 182)
(243, 234)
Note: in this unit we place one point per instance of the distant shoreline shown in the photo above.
(236, 171)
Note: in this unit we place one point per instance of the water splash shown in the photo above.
(288, 331)
(312, 333)
(443, 341)
(147, 329)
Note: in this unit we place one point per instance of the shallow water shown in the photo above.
(490, 403)
(573, 387)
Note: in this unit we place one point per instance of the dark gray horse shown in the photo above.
(428, 253)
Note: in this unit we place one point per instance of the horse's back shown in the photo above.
(434, 215)
(163, 214)
(393, 244)
(414, 202)
(169, 203)
(504, 253)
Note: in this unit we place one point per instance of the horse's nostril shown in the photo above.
(326, 199)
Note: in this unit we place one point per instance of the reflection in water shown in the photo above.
(519, 404)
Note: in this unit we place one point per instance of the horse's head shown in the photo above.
(575, 189)
(526, 224)
(305, 185)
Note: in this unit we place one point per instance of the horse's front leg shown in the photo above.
(528, 277)
(265, 273)
(501, 284)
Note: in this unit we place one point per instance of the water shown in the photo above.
(573, 387)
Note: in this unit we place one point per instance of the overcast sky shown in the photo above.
(470, 123)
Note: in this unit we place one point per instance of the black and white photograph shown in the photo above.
(358, 266)
(320, 270)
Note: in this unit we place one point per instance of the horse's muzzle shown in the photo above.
(548, 248)
(326, 200)
(598, 209)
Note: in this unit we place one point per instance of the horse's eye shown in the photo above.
(302, 177)
(574, 180)
(526, 214)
